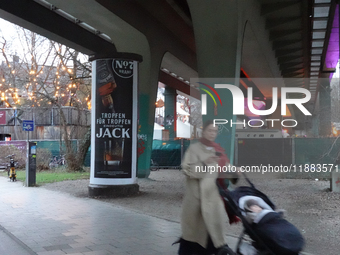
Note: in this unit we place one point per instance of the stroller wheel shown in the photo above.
(225, 251)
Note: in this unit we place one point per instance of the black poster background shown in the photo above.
(122, 97)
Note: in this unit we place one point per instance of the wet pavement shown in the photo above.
(38, 221)
(10, 245)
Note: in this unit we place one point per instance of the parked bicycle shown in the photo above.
(57, 161)
(154, 165)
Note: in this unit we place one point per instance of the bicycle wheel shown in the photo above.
(154, 166)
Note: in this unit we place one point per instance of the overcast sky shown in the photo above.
(8, 30)
(7, 27)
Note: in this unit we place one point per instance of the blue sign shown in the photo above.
(28, 125)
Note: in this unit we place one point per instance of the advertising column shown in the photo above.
(114, 127)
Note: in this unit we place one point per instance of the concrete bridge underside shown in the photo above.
(193, 38)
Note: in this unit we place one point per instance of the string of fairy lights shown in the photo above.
(62, 87)
(45, 73)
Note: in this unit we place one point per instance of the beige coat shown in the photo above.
(203, 211)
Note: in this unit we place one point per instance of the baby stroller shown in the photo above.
(269, 232)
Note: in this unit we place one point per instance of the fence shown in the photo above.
(274, 151)
(44, 116)
(307, 156)
(168, 154)
(248, 151)
(52, 146)
(254, 152)
(277, 151)
(316, 150)
(46, 122)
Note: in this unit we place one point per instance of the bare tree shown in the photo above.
(46, 75)
(77, 86)
(335, 100)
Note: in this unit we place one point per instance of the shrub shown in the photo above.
(43, 158)
(19, 155)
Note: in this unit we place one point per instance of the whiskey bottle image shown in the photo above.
(106, 84)
(113, 152)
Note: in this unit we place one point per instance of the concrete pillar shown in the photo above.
(120, 20)
(314, 130)
(170, 111)
(218, 29)
(325, 127)
(147, 99)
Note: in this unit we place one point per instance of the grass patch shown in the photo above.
(57, 175)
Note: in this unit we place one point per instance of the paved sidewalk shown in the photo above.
(9, 245)
(39, 221)
(48, 222)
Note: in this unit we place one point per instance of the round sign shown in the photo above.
(123, 68)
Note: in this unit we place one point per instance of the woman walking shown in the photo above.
(203, 216)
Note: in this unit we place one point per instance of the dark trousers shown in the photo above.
(191, 248)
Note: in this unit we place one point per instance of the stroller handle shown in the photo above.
(247, 179)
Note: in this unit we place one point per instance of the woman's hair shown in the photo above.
(207, 123)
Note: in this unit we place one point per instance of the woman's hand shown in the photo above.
(211, 159)
(238, 172)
